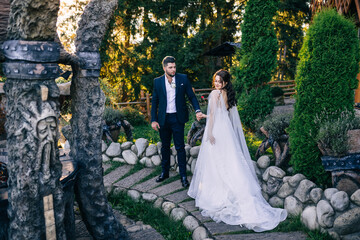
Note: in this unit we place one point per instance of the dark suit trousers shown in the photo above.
(173, 127)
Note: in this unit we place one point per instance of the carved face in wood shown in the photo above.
(46, 129)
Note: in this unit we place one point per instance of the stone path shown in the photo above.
(173, 192)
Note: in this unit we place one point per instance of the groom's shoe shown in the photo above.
(184, 182)
(162, 177)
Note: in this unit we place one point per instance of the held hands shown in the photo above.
(155, 126)
(200, 115)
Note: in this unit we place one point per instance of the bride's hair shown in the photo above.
(226, 79)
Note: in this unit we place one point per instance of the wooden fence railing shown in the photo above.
(144, 102)
(287, 86)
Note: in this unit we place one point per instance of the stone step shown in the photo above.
(146, 234)
(110, 178)
(200, 217)
(178, 196)
(189, 206)
(106, 166)
(168, 188)
(264, 236)
(150, 184)
(134, 178)
(222, 228)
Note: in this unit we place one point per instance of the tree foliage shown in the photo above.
(289, 23)
(325, 80)
(257, 61)
(142, 33)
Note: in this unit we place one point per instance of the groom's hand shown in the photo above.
(155, 126)
(200, 115)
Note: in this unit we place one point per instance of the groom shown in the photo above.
(169, 114)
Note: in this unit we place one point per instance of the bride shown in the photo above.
(224, 184)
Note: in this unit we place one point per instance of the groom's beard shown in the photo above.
(169, 74)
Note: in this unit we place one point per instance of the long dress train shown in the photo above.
(224, 184)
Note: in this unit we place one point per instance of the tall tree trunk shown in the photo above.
(36, 208)
(86, 123)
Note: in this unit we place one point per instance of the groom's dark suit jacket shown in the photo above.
(159, 101)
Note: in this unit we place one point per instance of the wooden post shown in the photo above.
(148, 106)
(357, 91)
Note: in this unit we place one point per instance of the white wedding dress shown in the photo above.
(224, 184)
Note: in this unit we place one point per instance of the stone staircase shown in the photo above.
(172, 191)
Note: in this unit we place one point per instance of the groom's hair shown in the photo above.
(168, 59)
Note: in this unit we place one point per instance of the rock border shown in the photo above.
(147, 154)
(328, 210)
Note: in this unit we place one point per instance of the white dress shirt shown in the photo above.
(170, 96)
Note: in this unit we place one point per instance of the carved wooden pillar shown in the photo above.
(87, 107)
(36, 208)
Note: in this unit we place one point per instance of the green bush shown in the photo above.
(277, 91)
(333, 133)
(326, 77)
(257, 61)
(255, 105)
(133, 116)
(276, 124)
(112, 116)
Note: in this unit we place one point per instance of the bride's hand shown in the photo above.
(211, 139)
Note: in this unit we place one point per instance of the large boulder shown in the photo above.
(325, 214)
(296, 179)
(126, 145)
(355, 197)
(190, 223)
(263, 162)
(285, 190)
(178, 214)
(141, 144)
(276, 202)
(316, 194)
(329, 192)
(194, 151)
(309, 219)
(303, 190)
(151, 150)
(274, 172)
(340, 201)
(273, 184)
(130, 157)
(156, 160)
(167, 207)
(113, 150)
(348, 222)
(293, 206)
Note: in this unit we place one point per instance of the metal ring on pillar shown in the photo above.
(32, 51)
(90, 60)
(90, 64)
(31, 71)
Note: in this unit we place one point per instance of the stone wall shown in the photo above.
(328, 210)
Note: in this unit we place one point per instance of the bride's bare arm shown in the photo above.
(214, 100)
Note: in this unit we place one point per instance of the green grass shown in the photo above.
(144, 211)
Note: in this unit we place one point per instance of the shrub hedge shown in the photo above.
(325, 80)
(257, 61)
